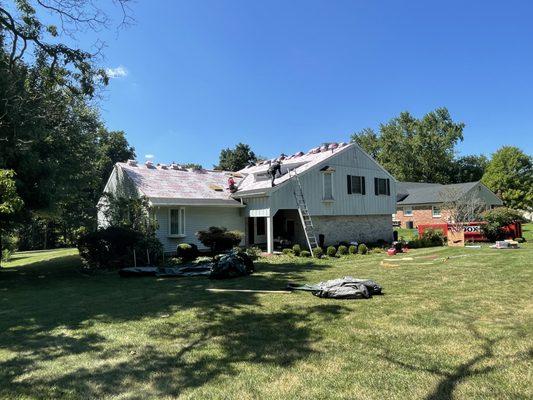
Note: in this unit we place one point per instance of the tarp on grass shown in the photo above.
(342, 288)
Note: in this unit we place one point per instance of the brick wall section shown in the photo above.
(421, 215)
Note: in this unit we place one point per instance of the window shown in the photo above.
(328, 186)
(356, 184)
(435, 211)
(260, 226)
(382, 186)
(408, 211)
(177, 222)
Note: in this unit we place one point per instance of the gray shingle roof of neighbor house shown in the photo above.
(172, 184)
(427, 193)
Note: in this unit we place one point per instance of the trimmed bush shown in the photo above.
(318, 252)
(331, 251)
(287, 252)
(219, 239)
(352, 249)
(342, 250)
(296, 249)
(362, 249)
(187, 251)
(305, 253)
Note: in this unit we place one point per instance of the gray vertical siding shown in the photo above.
(197, 218)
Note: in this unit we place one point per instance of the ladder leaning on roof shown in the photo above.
(305, 217)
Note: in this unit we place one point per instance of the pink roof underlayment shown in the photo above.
(300, 161)
(167, 186)
(173, 185)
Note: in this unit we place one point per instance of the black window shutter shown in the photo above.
(388, 187)
(349, 184)
(376, 189)
(363, 189)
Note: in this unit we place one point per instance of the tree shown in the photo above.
(236, 159)
(469, 168)
(510, 175)
(62, 65)
(193, 166)
(10, 204)
(411, 149)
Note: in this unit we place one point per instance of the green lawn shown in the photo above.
(460, 329)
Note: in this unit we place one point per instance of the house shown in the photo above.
(349, 196)
(425, 203)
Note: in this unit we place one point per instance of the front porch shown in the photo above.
(277, 232)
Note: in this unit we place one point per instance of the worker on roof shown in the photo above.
(274, 168)
(231, 185)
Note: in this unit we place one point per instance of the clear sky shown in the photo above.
(197, 76)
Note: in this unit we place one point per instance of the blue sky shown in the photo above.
(287, 75)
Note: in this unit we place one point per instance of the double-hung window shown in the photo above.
(356, 184)
(435, 211)
(408, 211)
(177, 222)
(382, 186)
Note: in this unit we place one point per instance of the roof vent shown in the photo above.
(174, 166)
(342, 144)
(333, 146)
(133, 163)
(149, 164)
(299, 154)
(323, 148)
(314, 150)
(163, 166)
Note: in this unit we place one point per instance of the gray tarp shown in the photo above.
(343, 288)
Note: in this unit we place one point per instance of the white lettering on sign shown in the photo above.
(473, 229)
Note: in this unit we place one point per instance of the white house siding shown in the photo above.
(197, 218)
(359, 228)
(351, 162)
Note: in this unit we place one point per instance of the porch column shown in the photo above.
(270, 234)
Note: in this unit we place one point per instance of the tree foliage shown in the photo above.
(417, 150)
(51, 134)
(469, 168)
(236, 159)
(510, 175)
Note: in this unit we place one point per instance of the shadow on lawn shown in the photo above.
(468, 369)
(225, 331)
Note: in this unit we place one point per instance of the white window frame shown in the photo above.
(181, 227)
(324, 186)
(408, 211)
(433, 212)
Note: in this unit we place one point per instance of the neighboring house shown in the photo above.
(350, 197)
(425, 203)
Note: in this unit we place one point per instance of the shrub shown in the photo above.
(342, 250)
(496, 220)
(331, 251)
(113, 247)
(352, 249)
(362, 249)
(9, 246)
(434, 237)
(296, 249)
(187, 251)
(219, 239)
(253, 252)
(288, 252)
(305, 253)
(318, 252)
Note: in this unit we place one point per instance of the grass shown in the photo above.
(454, 329)
(407, 234)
